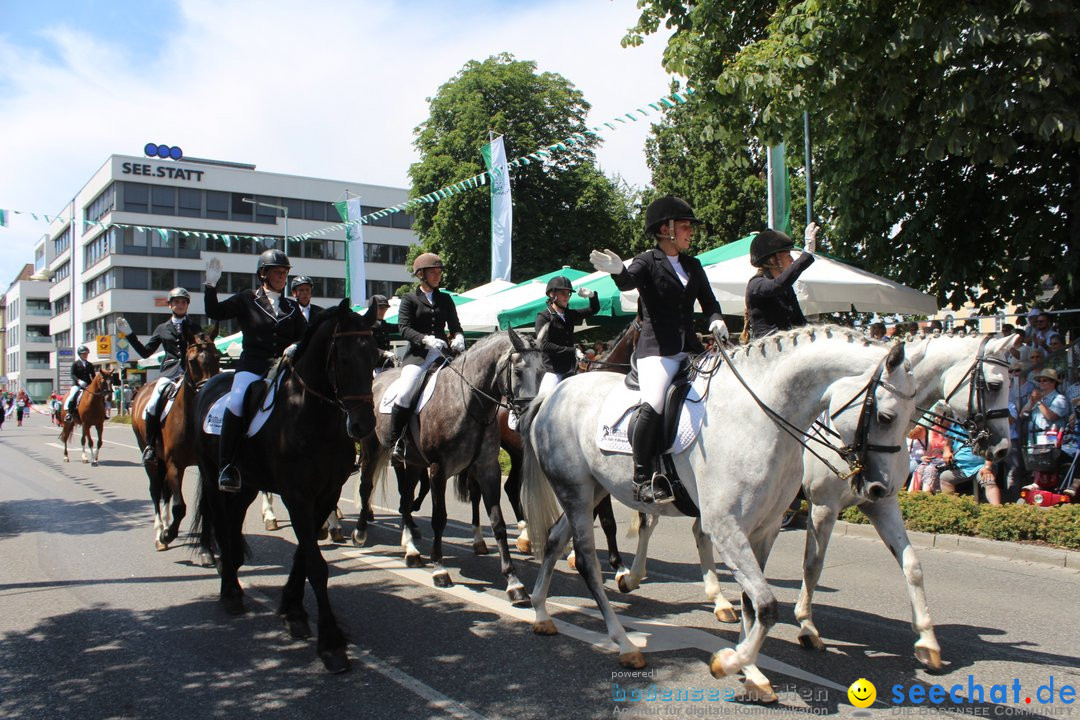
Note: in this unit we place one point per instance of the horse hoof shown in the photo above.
(337, 536)
(624, 583)
(726, 615)
(160, 546)
(480, 547)
(545, 627)
(324, 532)
(298, 628)
(929, 657)
(571, 560)
(633, 659)
(813, 642)
(760, 693)
(723, 663)
(93, 464)
(335, 661)
(234, 605)
(524, 546)
(414, 561)
(519, 597)
(442, 580)
(359, 538)
(207, 560)
(270, 524)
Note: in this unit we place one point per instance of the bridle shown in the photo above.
(505, 367)
(338, 400)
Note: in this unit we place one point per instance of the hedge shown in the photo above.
(961, 515)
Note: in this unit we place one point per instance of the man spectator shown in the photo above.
(877, 331)
(125, 399)
(1041, 328)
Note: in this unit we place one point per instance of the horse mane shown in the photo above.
(779, 341)
(323, 317)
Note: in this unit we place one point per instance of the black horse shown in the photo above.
(304, 453)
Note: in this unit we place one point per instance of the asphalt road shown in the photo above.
(96, 624)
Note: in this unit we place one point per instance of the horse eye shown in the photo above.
(886, 418)
(994, 385)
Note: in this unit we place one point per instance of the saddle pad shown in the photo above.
(617, 410)
(212, 421)
(386, 403)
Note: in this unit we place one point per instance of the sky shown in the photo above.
(320, 88)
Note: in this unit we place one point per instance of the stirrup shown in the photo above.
(654, 491)
(229, 479)
(398, 451)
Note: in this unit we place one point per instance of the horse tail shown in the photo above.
(378, 456)
(462, 484)
(541, 506)
(202, 526)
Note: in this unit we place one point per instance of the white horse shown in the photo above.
(971, 375)
(741, 470)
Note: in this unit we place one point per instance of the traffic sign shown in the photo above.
(104, 346)
(122, 356)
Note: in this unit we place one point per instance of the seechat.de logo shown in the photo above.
(163, 151)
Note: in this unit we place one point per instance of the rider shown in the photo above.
(301, 292)
(82, 374)
(560, 352)
(668, 282)
(381, 332)
(173, 336)
(771, 304)
(424, 316)
(271, 324)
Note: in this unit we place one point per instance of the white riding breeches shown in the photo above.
(155, 395)
(548, 382)
(71, 393)
(241, 380)
(655, 375)
(412, 376)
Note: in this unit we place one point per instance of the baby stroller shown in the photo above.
(1045, 460)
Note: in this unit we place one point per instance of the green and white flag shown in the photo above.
(502, 208)
(779, 190)
(355, 278)
(3, 218)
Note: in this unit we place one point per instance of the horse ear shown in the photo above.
(372, 313)
(895, 357)
(516, 341)
(211, 332)
(541, 336)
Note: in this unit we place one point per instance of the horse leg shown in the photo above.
(440, 577)
(558, 537)
(97, 449)
(230, 533)
(158, 493)
(512, 489)
(887, 520)
(410, 534)
(84, 440)
(292, 609)
(722, 609)
(174, 478)
(519, 597)
(820, 522)
(269, 519)
(478, 545)
(368, 449)
(646, 524)
(606, 514)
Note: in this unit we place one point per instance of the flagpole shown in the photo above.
(807, 163)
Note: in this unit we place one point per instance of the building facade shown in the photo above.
(115, 250)
(27, 344)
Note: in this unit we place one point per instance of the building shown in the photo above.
(27, 345)
(115, 248)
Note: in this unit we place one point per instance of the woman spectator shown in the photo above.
(963, 465)
(937, 448)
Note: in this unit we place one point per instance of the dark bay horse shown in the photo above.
(91, 414)
(304, 452)
(176, 446)
(457, 432)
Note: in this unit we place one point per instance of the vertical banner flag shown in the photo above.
(502, 208)
(3, 218)
(355, 280)
(779, 191)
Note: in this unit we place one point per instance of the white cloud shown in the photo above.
(332, 90)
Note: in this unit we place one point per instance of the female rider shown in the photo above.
(560, 352)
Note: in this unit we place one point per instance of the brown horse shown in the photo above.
(91, 414)
(175, 447)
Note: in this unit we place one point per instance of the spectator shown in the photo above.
(1008, 330)
(125, 398)
(1056, 356)
(1036, 361)
(877, 331)
(963, 465)
(1041, 328)
(933, 460)
(935, 327)
(22, 407)
(1046, 406)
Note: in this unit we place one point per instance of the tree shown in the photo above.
(946, 134)
(562, 208)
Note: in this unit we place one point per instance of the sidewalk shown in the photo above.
(980, 546)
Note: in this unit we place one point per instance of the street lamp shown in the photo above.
(282, 208)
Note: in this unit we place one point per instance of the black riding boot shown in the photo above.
(650, 486)
(399, 423)
(72, 408)
(153, 427)
(232, 434)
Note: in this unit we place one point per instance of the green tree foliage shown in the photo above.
(946, 134)
(562, 208)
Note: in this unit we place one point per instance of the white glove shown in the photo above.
(213, 271)
(586, 292)
(290, 351)
(606, 261)
(123, 326)
(810, 237)
(389, 355)
(433, 343)
(579, 355)
(82, 384)
(457, 344)
(719, 328)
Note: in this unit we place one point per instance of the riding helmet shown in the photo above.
(179, 292)
(767, 243)
(559, 282)
(300, 280)
(380, 301)
(272, 258)
(667, 208)
(83, 349)
(425, 261)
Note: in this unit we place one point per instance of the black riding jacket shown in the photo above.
(267, 331)
(771, 302)
(418, 317)
(83, 370)
(558, 347)
(171, 338)
(313, 311)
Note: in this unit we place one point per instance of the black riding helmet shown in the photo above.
(559, 282)
(667, 208)
(767, 243)
(300, 280)
(272, 258)
(380, 301)
(82, 349)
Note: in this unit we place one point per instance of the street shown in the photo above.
(97, 624)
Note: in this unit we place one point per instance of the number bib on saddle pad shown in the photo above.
(212, 421)
(619, 406)
(386, 403)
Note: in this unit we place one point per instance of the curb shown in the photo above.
(1003, 549)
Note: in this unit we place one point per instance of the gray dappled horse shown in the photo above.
(457, 432)
(742, 469)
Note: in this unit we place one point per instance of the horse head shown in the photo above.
(202, 357)
(520, 371)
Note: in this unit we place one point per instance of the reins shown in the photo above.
(338, 400)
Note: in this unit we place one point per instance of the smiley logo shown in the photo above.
(862, 693)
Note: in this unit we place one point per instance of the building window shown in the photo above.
(401, 221)
(189, 279)
(63, 339)
(39, 307)
(383, 253)
(103, 282)
(335, 288)
(217, 205)
(189, 202)
(37, 334)
(265, 214)
(102, 204)
(62, 241)
(96, 250)
(163, 246)
(383, 287)
(136, 197)
(241, 211)
(37, 361)
(161, 279)
(237, 282)
(316, 210)
(188, 245)
(162, 200)
(383, 221)
(135, 278)
(63, 272)
(61, 305)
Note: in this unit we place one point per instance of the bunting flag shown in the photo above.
(355, 278)
(779, 190)
(502, 209)
(3, 218)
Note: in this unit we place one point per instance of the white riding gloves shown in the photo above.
(810, 237)
(213, 271)
(457, 344)
(82, 384)
(123, 326)
(290, 351)
(433, 343)
(719, 328)
(579, 355)
(606, 261)
(586, 292)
